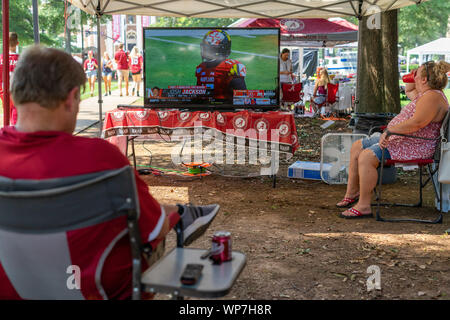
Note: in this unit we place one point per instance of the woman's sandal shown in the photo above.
(356, 214)
(347, 202)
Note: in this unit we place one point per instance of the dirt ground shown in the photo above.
(296, 245)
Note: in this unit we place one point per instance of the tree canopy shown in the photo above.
(419, 24)
(51, 21)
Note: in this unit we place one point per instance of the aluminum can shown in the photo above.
(221, 247)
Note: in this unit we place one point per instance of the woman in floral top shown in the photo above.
(422, 117)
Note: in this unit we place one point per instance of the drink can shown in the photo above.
(221, 247)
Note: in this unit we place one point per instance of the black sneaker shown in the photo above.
(195, 220)
(138, 93)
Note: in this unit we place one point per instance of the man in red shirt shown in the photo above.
(13, 58)
(122, 61)
(43, 144)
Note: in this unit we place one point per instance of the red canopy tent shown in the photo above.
(306, 32)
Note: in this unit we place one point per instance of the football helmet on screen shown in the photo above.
(216, 45)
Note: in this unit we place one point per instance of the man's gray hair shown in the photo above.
(45, 76)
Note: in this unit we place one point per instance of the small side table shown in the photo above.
(216, 280)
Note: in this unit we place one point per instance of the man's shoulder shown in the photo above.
(233, 67)
(96, 147)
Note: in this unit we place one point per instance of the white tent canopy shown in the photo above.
(437, 47)
(241, 8)
(235, 9)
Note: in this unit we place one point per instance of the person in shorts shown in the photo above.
(136, 62)
(90, 68)
(421, 118)
(107, 71)
(123, 73)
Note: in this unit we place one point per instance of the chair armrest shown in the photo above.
(376, 129)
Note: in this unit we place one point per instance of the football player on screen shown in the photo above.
(216, 71)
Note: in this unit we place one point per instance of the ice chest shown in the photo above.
(308, 170)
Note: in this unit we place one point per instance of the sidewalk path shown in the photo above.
(88, 114)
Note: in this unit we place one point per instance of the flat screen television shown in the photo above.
(211, 68)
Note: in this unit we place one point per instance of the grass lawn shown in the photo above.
(87, 93)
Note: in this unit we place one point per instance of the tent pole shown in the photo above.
(99, 75)
(6, 98)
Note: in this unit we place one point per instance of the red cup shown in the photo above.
(409, 78)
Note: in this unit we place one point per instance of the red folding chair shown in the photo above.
(421, 163)
(292, 93)
(332, 97)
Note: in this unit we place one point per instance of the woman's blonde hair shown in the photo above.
(134, 51)
(324, 78)
(437, 74)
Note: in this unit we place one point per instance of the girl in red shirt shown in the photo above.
(136, 62)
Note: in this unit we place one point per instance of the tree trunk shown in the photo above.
(370, 82)
(390, 62)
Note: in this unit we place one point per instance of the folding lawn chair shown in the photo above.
(36, 217)
(326, 107)
(292, 93)
(421, 163)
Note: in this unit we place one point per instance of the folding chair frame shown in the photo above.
(422, 184)
(327, 102)
(300, 95)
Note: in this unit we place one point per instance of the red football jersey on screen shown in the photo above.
(220, 76)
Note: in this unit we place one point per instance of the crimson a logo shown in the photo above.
(292, 24)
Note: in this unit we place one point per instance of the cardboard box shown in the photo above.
(308, 170)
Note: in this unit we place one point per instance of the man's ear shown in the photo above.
(72, 98)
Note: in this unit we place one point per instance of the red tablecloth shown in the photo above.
(271, 126)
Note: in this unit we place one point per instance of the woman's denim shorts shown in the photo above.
(91, 74)
(372, 144)
(319, 99)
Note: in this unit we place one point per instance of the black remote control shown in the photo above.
(191, 274)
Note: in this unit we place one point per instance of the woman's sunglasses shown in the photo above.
(426, 69)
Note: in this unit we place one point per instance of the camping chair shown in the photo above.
(420, 163)
(36, 215)
(292, 93)
(326, 107)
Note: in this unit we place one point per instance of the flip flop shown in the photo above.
(349, 201)
(357, 214)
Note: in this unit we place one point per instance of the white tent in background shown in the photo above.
(437, 47)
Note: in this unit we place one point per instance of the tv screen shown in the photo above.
(220, 68)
